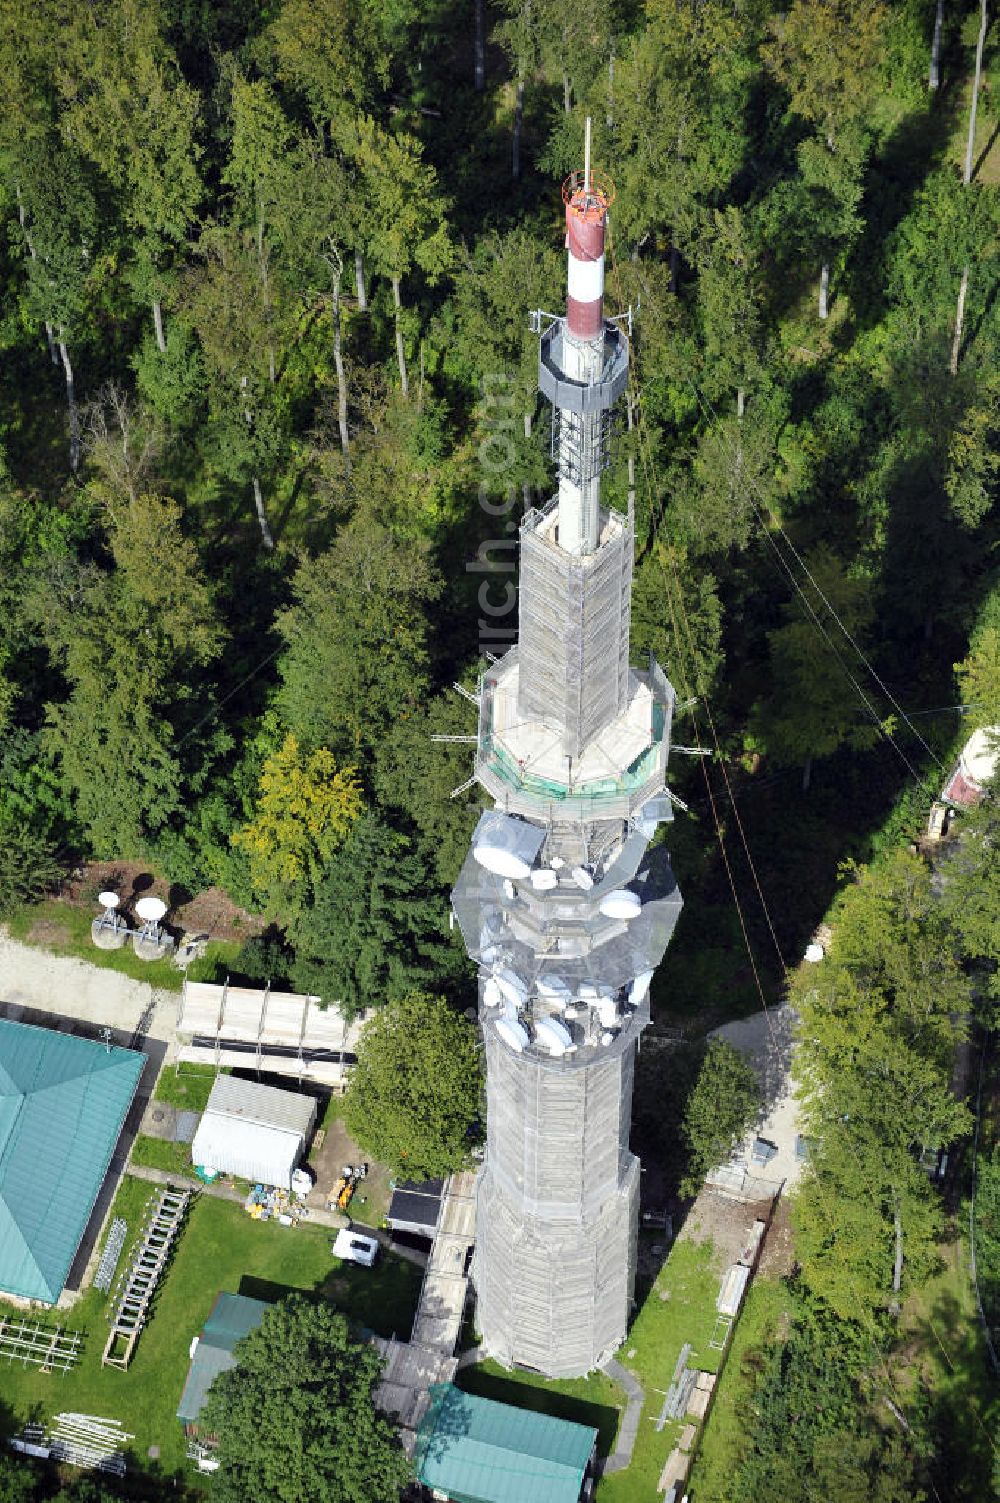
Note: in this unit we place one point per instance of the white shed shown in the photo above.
(254, 1131)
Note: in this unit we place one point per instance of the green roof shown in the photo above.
(63, 1101)
(478, 1451)
(233, 1317)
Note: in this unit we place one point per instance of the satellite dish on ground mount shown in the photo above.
(151, 942)
(109, 931)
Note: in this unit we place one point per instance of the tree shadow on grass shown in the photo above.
(963, 1412)
(382, 1300)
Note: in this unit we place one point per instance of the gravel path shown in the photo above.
(60, 986)
(629, 1427)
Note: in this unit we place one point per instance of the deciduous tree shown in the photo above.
(880, 1019)
(130, 643)
(413, 1100)
(405, 215)
(296, 1417)
(306, 807)
(356, 659)
(130, 111)
(814, 706)
(828, 54)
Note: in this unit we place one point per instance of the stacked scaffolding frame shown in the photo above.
(87, 1440)
(52, 1348)
(574, 627)
(561, 901)
(150, 1260)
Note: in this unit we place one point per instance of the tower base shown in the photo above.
(555, 1296)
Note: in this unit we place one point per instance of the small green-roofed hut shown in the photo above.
(233, 1317)
(63, 1103)
(475, 1450)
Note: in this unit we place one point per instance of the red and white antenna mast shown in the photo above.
(587, 202)
(583, 361)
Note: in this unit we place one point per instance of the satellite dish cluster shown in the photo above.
(111, 929)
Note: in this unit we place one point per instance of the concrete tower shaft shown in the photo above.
(562, 902)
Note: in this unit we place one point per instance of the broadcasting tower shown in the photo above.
(562, 903)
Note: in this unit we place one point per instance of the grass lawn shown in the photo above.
(761, 1318)
(157, 1153)
(218, 962)
(941, 1348)
(220, 1248)
(64, 929)
(186, 1086)
(595, 1401)
(679, 1308)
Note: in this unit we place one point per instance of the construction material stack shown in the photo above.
(562, 901)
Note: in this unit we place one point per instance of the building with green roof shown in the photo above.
(63, 1103)
(474, 1450)
(233, 1317)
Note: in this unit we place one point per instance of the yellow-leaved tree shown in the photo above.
(305, 807)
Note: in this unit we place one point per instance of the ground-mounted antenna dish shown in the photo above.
(109, 931)
(151, 942)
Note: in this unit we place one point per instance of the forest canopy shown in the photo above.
(269, 423)
(270, 419)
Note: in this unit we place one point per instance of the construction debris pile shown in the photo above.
(268, 1203)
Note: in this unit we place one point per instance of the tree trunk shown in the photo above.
(674, 259)
(956, 343)
(609, 118)
(161, 343)
(400, 352)
(897, 1269)
(824, 290)
(74, 415)
(807, 772)
(526, 488)
(741, 402)
(265, 286)
(480, 45)
(970, 144)
(934, 74)
(49, 332)
(359, 279)
(338, 361)
(258, 501)
(515, 149)
(567, 95)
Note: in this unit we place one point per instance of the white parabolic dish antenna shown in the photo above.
(108, 899)
(151, 910)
